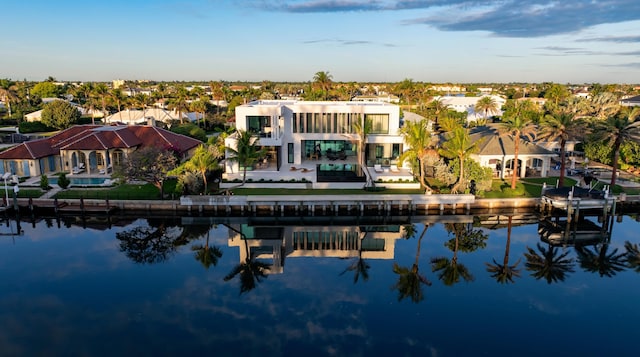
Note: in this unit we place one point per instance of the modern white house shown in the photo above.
(318, 141)
(137, 116)
(467, 104)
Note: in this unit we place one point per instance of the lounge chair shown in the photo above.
(394, 168)
(378, 168)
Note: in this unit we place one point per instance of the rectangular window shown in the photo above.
(395, 151)
(290, 153)
(309, 123)
(257, 123)
(294, 123)
(379, 123)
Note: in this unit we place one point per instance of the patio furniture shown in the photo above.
(394, 168)
(378, 168)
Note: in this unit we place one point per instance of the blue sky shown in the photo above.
(565, 41)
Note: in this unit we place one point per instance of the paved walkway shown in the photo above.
(51, 192)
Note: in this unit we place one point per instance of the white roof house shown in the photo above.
(467, 104)
(318, 141)
(37, 115)
(136, 116)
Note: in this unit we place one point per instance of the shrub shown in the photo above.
(63, 181)
(44, 182)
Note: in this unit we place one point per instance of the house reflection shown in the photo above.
(324, 237)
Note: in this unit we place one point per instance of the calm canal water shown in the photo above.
(336, 286)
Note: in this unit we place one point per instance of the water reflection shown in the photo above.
(317, 285)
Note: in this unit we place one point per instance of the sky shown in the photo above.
(436, 41)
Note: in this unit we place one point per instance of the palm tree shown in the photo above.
(246, 153)
(450, 270)
(179, 102)
(556, 93)
(420, 153)
(323, 81)
(8, 95)
(517, 126)
(118, 98)
(362, 128)
(548, 264)
(486, 105)
(101, 91)
(142, 101)
(564, 124)
(207, 255)
(459, 146)
(504, 273)
(633, 256)
(618, 129)
(406, 90)
(202, 161)
(199, 106)
(438, 107)
(410, 281)
(598, 260)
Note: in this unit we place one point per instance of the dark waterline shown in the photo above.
(131, 285)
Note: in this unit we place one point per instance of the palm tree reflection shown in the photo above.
(633, 256)
(359, 266)
(409, 284)
(450, 271)
(251, 271)
(548, 264)
(207, 255)
(504, 273)
(599, 261)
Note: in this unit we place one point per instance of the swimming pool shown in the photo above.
(81, 181)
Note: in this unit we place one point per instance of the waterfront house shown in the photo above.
(498, 152)
(89, 149)
(631, 101)
(317, 141)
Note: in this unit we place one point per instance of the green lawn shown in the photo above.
(120, 192)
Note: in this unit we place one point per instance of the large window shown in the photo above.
(257, 123)
(379, 123)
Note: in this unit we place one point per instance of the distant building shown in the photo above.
(117, 83)
(137, 116)
(631, 101)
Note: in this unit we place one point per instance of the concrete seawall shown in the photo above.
(257, 205)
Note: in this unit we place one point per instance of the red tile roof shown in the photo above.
(94, 137)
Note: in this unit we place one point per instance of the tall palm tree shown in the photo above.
(362, 128)
(600, 261)
(246, 153)
(617, 129)
(142, 101)
(557, 93)
(548, 264)
(633, 256)
(406, 89)
(179, 102)
(207, 255)
(420, 153)
(438, 107)
(202, 161)
(8, 95)
(517, 126)
(118, 99)
(486, 105)
(410, 280)
(450, 270)
(504, 273)
(199, 106)
(564, 124)
(459, 145)
(101, 91)
(323, 81)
